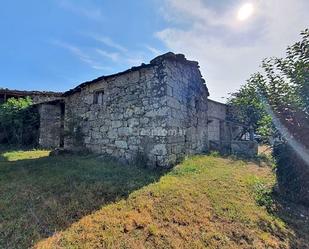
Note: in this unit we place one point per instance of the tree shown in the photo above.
(249, 109)
(275, 102)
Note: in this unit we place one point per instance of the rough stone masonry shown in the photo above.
(157, 111)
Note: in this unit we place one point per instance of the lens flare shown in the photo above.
(245, 11)
(299, 148)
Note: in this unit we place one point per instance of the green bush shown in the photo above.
(214, 153)
(292, 174)
(263, 195)
(19, 122)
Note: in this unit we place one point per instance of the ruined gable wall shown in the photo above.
(187, 101)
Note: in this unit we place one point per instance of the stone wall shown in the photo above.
(217, 115)
(224, 135)
(186, 95)
(239, 148)
(50, 125)
(37, 99)
(158, 111)
(244, 148)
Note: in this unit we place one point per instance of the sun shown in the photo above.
(245, 11)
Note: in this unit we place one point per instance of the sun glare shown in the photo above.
(245, 11)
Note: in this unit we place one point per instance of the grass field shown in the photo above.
(88, 202)
(40, 195)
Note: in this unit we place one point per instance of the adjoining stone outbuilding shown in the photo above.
(157, 111)
(227, 136)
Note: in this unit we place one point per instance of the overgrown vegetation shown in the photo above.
(262, 191)
(283, 85)
(275, 102)
(19, 122)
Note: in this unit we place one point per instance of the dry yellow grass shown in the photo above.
(265, 149)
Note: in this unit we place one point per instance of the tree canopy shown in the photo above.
(282, 85)
(275, 102)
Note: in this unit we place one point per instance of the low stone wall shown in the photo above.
(241, 148)
(244, 148)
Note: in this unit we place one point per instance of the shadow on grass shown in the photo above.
(41, 196)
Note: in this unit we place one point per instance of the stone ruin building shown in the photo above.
(157, 112)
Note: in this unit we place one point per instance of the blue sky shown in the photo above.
(57, 44)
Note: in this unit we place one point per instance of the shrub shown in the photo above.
(214, 153)
(292, 174)
(19, 122)
(263, 195)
